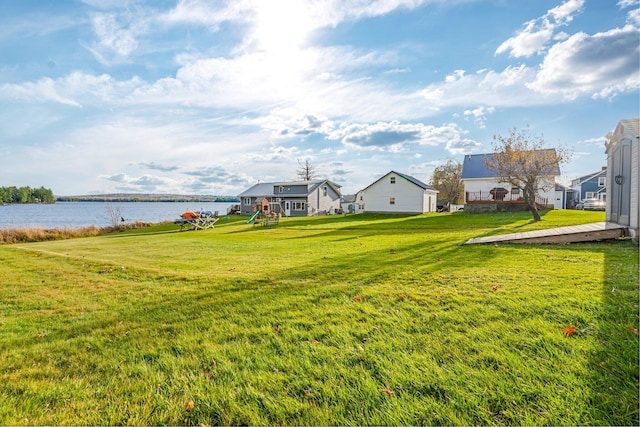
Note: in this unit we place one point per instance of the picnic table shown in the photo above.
(197, 221)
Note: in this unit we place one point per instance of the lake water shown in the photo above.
(84, 214)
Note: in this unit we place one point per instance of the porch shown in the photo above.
(501, 196)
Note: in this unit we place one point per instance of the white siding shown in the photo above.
(485, 185)
(407, 196)
(622, 134)
(321, 204)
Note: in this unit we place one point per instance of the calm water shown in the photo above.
(84, 214)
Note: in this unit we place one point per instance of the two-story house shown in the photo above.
(396, 192)
(292, 198)
(485, 192)
(592, 186)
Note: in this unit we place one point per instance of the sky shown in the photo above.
(212, 97)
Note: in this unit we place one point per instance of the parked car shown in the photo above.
(594, 205)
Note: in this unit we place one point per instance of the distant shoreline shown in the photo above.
(126, 197)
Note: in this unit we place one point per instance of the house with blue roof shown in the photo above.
(397, 192)
(484, 191)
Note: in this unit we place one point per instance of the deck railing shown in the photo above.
(499, 197)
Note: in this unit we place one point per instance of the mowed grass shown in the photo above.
(356, 320)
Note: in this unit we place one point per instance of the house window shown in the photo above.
(590, 195)
(393, 180)
(361, 197)
(299, 206)
(281, 189)
(602, 181)
(515, 191)
(392, 200)
(247, 201)
(324, 191)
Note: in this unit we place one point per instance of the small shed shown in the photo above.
(623, 177)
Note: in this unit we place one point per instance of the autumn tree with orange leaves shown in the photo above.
(521, 160)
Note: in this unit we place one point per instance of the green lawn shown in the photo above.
(343, 320)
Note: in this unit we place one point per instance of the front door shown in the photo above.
(287, 208)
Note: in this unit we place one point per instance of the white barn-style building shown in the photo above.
(623, 175)
(396, 192)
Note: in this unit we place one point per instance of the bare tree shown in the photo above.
(306, 171)
(115, 215)
(447, 179)
(522, 161)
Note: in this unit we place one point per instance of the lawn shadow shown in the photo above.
(614, 367)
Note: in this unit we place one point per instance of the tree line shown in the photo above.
(26, 195)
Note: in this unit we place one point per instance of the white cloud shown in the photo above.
(115, 42)
(601, 65)
(479, 115)
(75, 89)
(535, 35)
(505, 88)
(396, 137)
(290, 122)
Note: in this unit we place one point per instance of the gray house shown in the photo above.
(292, 198)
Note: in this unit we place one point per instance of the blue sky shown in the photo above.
(210, 97)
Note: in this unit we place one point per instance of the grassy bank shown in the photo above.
(350, 320)
(30, 234)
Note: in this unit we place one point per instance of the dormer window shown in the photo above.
(393, 180)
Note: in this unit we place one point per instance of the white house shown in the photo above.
(623, 177)
(398, 193)
(484, 191)
(349, 204)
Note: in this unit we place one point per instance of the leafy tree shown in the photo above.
(26, 195)
(521, 160)
(306, 171)
(447, 179)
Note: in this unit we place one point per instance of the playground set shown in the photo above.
(197, 221)
(266, 213)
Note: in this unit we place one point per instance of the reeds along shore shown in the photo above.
(21, 235)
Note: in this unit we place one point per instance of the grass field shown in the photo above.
(342, 320)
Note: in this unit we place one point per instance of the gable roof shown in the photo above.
(632, 126)
(474, 166)
(267, 188)
(585, 178)
(405, 177)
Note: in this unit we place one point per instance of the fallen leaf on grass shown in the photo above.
(386, 390)
(569, 330)
(357, 298)
(403, 297)
(190, 405)
(495, 287)
(633, 330)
